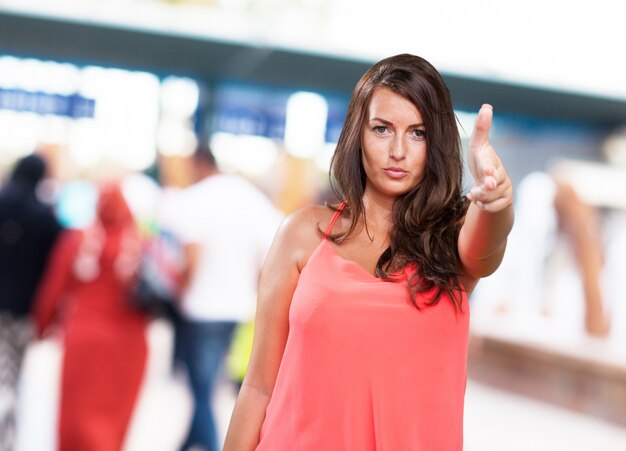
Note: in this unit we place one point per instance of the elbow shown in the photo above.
(483, 266)
(481, 271)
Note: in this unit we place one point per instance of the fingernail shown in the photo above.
(486, 105)
(479, 204)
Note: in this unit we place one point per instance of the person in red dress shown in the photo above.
(361, 331)
(86, 289)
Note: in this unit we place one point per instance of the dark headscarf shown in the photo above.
(28, 230)
(29, 171)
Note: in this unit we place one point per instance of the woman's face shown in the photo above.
(394, 144)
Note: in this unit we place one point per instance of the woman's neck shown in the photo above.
(378, 211)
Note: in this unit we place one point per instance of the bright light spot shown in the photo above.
(142, 194)
(179, 96)
(9, 72)
(76, 203)
(126, 115)
(250, 155)
(305, 126)
(24, 131)
(81, 147)
(33, 75)
(175, 139)
(179, 102)
(61, 78)
(55, 129)
(323, 157)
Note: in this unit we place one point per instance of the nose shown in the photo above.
(397, 149)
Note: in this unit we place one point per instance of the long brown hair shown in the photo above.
(428, 218)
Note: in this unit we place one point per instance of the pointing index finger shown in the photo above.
(480, 134)
(485, 165)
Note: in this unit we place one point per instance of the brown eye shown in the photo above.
(418, 133)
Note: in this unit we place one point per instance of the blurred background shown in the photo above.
(123, 89)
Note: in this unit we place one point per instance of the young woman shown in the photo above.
(362, 321)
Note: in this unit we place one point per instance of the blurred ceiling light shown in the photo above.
(61, 78)
(125, 117)
(250, 155)
(55, 129)
(33, 75)
(179, 96)
(174, 139)
(9, 71)
(80, 146)
(305, 127)
(324, 155)
(614, 148)
(23, 135)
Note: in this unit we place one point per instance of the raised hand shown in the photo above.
(492, 190)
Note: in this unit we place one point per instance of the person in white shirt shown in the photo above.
(226, 225)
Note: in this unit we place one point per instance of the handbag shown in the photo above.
(157, 286)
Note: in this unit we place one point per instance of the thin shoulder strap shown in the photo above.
(334, 219)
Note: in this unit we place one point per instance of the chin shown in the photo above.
(393, 190)
(396, 192)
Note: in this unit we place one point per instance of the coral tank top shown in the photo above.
(363, 369)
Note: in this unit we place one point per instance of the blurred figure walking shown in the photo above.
(28, 229)
(226, 225)
(88, 289)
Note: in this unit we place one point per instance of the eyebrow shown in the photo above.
(389, 123)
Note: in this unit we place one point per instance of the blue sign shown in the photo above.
(74, 105)
(250, 110)
(261, 111)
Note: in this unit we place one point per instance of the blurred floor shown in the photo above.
(224, 403)
(496, 420)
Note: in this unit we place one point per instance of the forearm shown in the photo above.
(482, 239)
(247, 418)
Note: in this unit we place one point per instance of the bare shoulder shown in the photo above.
(301, 231)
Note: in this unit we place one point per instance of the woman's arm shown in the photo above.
(489, 219)
(294, 242)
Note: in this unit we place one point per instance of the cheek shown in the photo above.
(420, 157)
(367, 153)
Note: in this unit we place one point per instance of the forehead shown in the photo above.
(390, 106)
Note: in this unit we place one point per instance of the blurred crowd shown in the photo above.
(119, 303)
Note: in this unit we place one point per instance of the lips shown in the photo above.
(395, 172)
